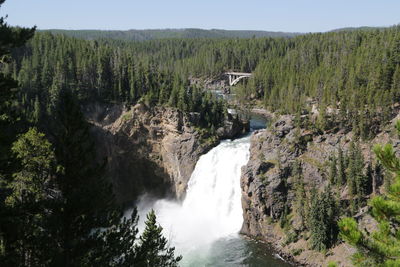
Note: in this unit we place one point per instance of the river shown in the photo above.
(204, 227)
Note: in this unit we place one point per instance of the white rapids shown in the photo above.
(212, 208)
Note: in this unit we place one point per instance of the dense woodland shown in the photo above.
(144, 35)
(56, 206)
(106, 71)
(50, 187)
(353, 76)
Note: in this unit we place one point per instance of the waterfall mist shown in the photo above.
(212, 208)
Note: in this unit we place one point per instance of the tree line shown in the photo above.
(353, 76)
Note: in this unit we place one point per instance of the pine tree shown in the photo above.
(359, 183)
(29, 201)
(353, 170)
(38, 165)
(300, 193)
(37, 112)
(333, 170)
(118, 244)
(342, 168)
(315, 224)
(153, 248)
(322, 219)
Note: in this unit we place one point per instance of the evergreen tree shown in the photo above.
(333, 170)
(342, 168)
(300, 193)
(359, 183)
(118, 244)
(322, 219)
(29, 202)
(153, 248)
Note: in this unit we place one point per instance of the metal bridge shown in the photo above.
(235, 77)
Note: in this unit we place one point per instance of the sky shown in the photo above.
(268, 15)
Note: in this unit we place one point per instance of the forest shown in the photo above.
(56, 206)
(353, 76)
(144, 35)
(54, 197)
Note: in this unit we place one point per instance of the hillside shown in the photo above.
(143, 35)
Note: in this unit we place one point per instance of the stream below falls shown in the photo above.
(204, 227)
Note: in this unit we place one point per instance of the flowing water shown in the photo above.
(204, 227)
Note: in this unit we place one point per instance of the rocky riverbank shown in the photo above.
(152, 150)
(268, 185)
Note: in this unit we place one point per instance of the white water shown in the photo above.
(212, 208)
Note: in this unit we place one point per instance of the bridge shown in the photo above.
(235, 77)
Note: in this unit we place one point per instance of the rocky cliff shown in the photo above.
(268, 184)
(152, 150)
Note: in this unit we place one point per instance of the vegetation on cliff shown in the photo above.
(56, 207)
(382, 246)
(106, 71)
(352, 76)
(300, 181)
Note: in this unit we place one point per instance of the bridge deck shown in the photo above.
(238, 73)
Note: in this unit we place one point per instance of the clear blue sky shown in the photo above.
(271, 15)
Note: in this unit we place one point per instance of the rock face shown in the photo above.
(267, 185)
(263, 189)
(151, 149)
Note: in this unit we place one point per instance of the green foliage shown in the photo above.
(149, 249)
(58, 198)
(322, 221)
(50, 65)
(387, 157)
(341, 179)
(357, 74)
(10, 38)
(358, 181)
(118, 238)
(349, 230)
(350, 171)
(301, 202)
(291, 236)
(381, 247)
(38, 164)
(153, 248)
(333, 170)
(297, 252)
(143, 35)
(10, 127)
(29, 200)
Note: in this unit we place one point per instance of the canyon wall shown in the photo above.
(152, 150)
(268, 184)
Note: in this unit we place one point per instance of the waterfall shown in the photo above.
(212, 208)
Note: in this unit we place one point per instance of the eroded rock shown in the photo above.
(151, 149)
